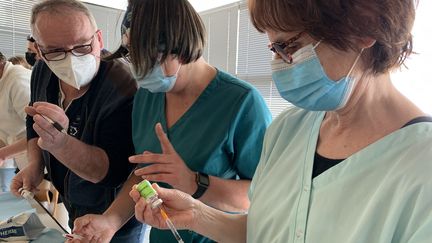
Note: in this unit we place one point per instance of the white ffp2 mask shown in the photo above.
(75, 71)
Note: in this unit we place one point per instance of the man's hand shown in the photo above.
(44, 114)
(28, 178)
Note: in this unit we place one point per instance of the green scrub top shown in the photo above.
(221, 134)
(381, 194)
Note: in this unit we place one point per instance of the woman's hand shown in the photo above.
(181, 208)
(167, 167)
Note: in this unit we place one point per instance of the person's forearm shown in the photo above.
(34, 154)
(219, 226)
(227, 195)
(2, 144)
(123, 207)
(88, 162)
(10, 150)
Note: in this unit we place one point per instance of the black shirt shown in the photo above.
(322, 164)
(102, 118)
(75, 127)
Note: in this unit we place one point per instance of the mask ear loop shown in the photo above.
(178, 69)
(352, 84)
(355, 62)
(319, 42)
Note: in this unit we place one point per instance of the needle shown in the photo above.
(171, 225)
(73, 236)
(55, 124)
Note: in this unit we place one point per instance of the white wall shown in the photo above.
(117, 4)
(199, 5)
(203, 5)
(416, 81)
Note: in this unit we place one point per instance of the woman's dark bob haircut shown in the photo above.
(340, 23)
(159, 28)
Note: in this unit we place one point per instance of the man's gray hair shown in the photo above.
(58, 7)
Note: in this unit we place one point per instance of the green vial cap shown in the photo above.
(146, 190)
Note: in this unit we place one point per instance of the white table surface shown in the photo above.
(46, 218)
(11, 205)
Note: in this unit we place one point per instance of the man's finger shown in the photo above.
(54, 113)
(16, 185)
(27, 185)
(30, 110)
(38, 104)
(43, 135)
(46, 125)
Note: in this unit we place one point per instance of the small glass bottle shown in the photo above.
(149, 193)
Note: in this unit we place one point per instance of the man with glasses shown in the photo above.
(79, 118)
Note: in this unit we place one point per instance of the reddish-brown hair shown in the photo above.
(340, 23)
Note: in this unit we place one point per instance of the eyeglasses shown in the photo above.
(60, 54)
(285, 49)
(123, 52)
(126, 57)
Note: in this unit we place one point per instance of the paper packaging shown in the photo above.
(22, 227)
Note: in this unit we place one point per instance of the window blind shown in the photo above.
(253, 63)
(15, 25)
(221, 28)
(109, 22)
(248, 49)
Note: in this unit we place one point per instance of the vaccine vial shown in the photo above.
(149, 193)
(146, 191)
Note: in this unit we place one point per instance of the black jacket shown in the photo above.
(104, 121)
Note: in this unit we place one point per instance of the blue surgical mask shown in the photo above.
(156, 81)
(305, 84)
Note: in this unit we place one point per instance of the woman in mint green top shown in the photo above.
(351, 160)
(195, 128)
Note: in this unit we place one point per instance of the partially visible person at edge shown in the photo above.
(31, 55)
(17, 150)
(14, 96)
(87, 161)
(191, 121)
(19, 60)
(352, 161)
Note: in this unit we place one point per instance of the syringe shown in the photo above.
(146, 190)
(30, 197)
